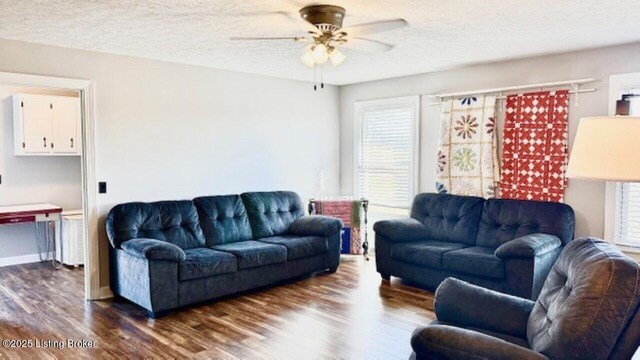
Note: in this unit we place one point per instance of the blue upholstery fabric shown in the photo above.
(204, 289)
(590, 295)
(588, 309)
(272, 213)
(315, 225)
(517, 340)
(152, 284)
(299, 247)
(476, 260)
(451, 342)
(448, 217)
(427, 253)
(159, 258)
(175, 222)
(153, 249)
(528, 246)
(505, 220)
(401, 230)
(223, 219)
(332, 257)
(203, 262)
(527, 235)
(254, 253)
(464, 304)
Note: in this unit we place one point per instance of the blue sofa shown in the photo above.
(171, 254)
(504, 245)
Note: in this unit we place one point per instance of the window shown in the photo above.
(386, 153)
(627, 202)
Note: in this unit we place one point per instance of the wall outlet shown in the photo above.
(102, 187)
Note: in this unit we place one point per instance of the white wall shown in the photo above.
(587, 198)
(172, 131)
(31, 179)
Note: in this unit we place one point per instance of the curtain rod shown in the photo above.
(579, 91)
(520, 87)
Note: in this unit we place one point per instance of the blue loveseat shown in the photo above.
(170, 254)
(505, 245)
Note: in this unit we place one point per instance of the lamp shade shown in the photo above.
(606, 148)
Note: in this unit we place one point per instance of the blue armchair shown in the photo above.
(588, 309)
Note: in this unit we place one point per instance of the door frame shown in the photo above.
(86, 88)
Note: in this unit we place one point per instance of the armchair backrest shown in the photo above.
(175, 222)
(503, 220)
(272, 213)
(450, 218)
(588, 305)
(223, 219)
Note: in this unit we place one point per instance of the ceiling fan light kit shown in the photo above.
(323, 24)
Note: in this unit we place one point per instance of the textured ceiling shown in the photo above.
(441, 34)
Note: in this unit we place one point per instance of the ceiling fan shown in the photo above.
(323, 24)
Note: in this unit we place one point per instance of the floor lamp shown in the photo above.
(606, 149)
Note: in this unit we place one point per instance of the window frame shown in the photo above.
(359, 108)
(618, 84)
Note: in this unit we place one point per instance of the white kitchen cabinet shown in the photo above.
(46, 125)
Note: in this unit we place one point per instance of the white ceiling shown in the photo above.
(441, 34)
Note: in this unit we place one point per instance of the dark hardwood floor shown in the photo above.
(351, 314)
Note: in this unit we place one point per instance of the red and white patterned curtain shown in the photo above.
(535, 146)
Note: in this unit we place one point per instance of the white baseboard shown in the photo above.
(18, 260)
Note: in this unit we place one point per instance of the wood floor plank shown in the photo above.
(351, 314)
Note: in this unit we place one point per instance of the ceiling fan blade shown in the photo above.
(294, 38)
(299, 22)
(363, 44)
(375, 27)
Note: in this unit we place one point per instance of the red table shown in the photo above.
(35, 213)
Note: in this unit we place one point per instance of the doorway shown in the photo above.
(84, 91)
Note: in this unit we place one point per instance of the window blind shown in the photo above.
(628, 216)
(386, 154)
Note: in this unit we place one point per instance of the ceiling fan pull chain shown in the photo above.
(315, 81)
(322, 77)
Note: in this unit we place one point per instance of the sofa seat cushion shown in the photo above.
(299, 247)
(476, 260)
(254, 253)
(426, 253)
(203, 262)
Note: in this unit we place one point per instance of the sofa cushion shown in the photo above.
(448, 217)
(299, 247)
(223, 219)
(426, 253)
(587, 300)
(503, 220)
(271, 213)
(476, 260)
(203, 262)
(254, 253)
(175, 222)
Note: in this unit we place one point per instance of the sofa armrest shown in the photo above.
(528, 246)
(449, 342)
(315, 225)
(401, 230)
(468, 305)
(151, 249)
